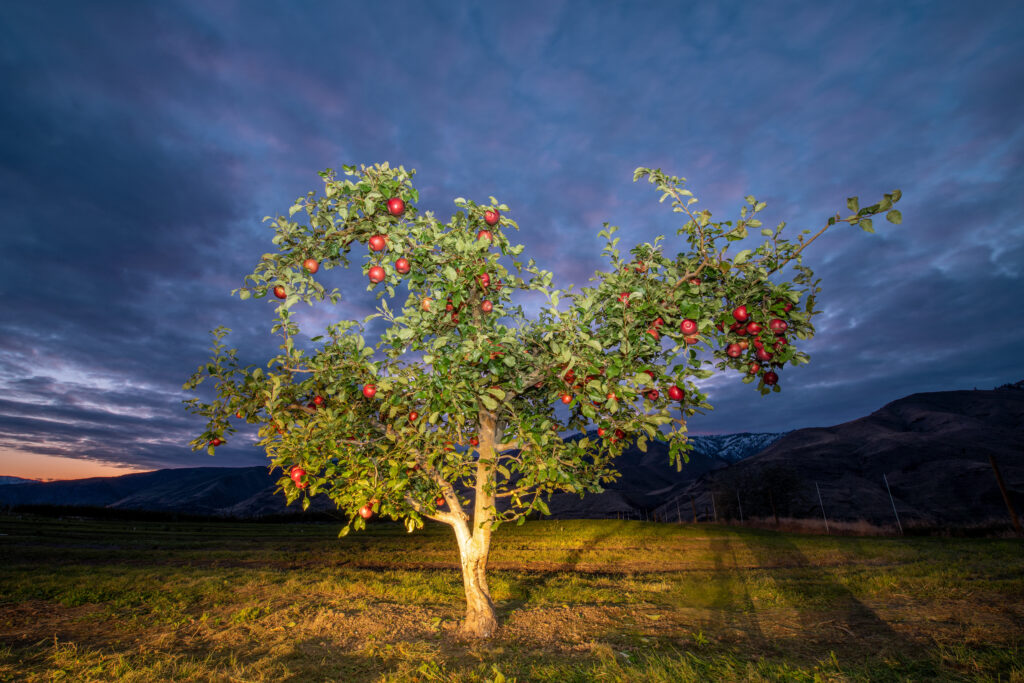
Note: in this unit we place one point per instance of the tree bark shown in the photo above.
(475, 538)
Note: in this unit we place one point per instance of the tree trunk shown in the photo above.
(481, 620)
(475, 538)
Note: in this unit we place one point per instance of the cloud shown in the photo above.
(145, 142)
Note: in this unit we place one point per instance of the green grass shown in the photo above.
(579, 601)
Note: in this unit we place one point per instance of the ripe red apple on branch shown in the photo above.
(510, 381)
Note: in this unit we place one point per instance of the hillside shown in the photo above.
(249, 491)
(934, 449)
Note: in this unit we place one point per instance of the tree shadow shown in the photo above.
(532, 584)
(828, 612)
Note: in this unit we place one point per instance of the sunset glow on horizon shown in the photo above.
(55, 468)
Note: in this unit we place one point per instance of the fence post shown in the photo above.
(1006, 496)
(771, 499)
(823, 515)
(713, 506)
(693, 504)
(679, 515)
(886, 479)
(740, 503)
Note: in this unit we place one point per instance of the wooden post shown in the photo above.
(771, 499)
(823, 515)
(679, 515)
(693, 504)
(886, 480)
(1006, 496)
(740, 503)
(713, 506)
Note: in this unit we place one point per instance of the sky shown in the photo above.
(143, 142)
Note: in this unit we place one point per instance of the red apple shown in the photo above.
(733, 351)
(455, 318)
(770, 378)
(624, 298)
(413, 415)
(754, 369)
(216, 442)
(473, 441)
(688, 326)
(619, 434)
(778, 326)
(653, 395)
(692, 339)
(396, 207)
(377, 242)
(367, 511)
(753, 328)
(491, 217)
(239, 414)
(280, 292)
(448, 306)
(610, 396)
(654, 333)
(640, 268)
(402, 266)
(318, 400)
(566, 399)
(695, 281)
(486, 306)
(311, 264)
(763, 356)
(743, 344)
(439, 501)
(376, 274)
(297, 473)
(369, 390)
(675, 393)
(741, 314)
(600, 431)
(485, 235)
(658, 322)
(425, 303)
(484, 279)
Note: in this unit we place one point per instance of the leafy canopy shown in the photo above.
(459, 354)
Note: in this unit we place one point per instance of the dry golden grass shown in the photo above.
(579, 601)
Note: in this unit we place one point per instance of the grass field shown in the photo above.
(88, 600)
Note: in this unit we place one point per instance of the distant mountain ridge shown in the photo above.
(249, 492)
(4, 480)
(933, 448)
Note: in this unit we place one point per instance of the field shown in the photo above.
(579, 601)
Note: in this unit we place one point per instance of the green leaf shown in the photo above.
(496, 393)
(894, 216)
(489, 402)
(865, 225)
(742, 257)
(853, 204)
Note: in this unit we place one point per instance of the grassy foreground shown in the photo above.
(579, 601)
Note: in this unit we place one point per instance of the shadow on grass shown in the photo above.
(527, 587)
(830, 615)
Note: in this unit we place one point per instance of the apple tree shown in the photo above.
(458, 409)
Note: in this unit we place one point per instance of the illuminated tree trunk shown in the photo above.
(475, 540)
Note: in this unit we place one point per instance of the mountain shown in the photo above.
(933, 449)
(15, 480)
(248, 492)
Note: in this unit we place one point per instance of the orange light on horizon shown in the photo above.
(53, 467)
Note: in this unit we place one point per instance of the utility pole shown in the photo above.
(1006, 496)
(886, 480)
(823, 515)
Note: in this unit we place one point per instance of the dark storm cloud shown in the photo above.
(144, 142)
